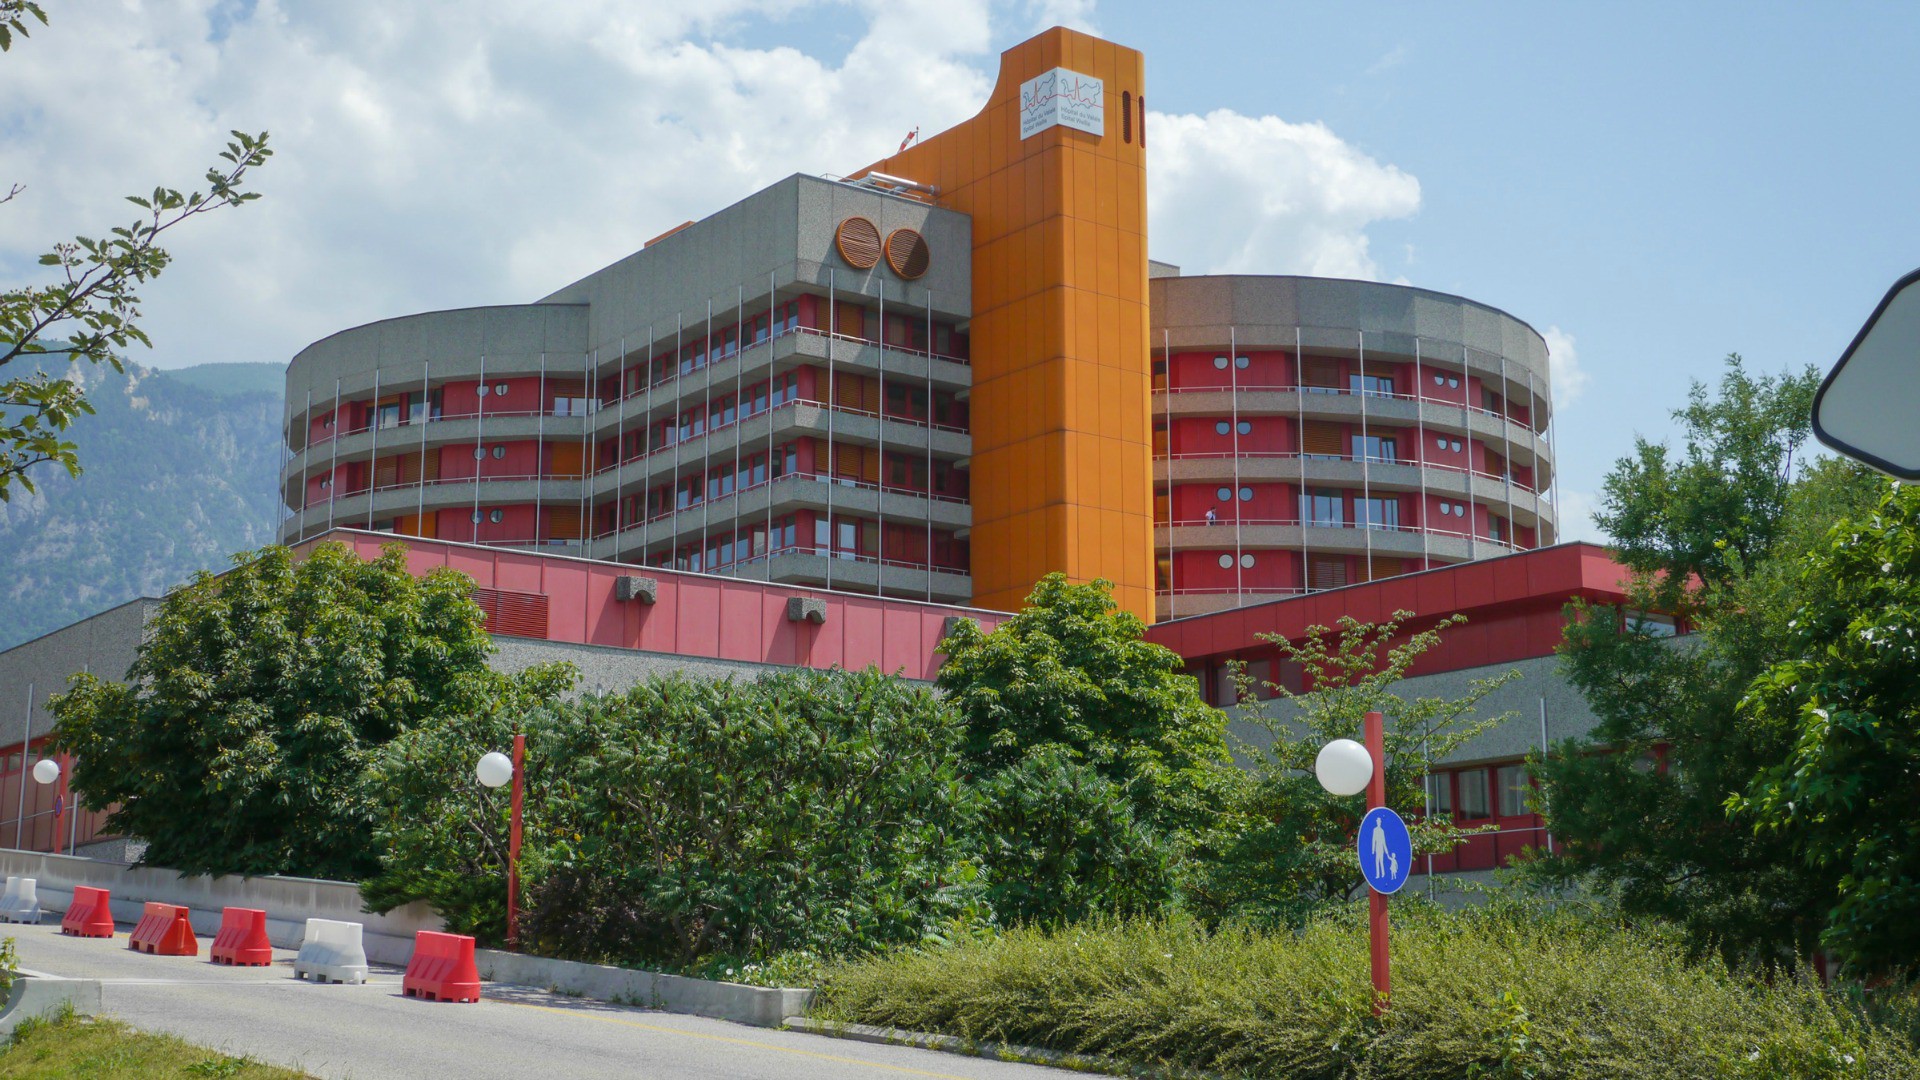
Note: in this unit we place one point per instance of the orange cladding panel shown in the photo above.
(1061, 469)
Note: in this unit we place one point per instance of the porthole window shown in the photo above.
(1220, 362)
(1439, 443)
(1246, 494)
(499, 388)
(1439, 380)
(495, 516)
(1241, 362)
(1453, 383)
(1245, 427)
(1224, 494)
(1246, 562)
(476, 517)
(1456, 445)
(328, 423)
(479, 453)
(325, 484)
(1446, 509)
(499, 452)
(1220, 428)
(485, 390)
(1226, 562)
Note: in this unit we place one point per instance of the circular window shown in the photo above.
(1241, 362)
(476, 517)
(1220, 362)
(1445, 509)
(479, 453)
(1224, 494)
(1439, 443)
(1220, 428)
(499, 388)
(1439, 380)
(328, 423)
(1226, 562)
(495, 516)
(1453, 384)
(1456, 445)
(1245, 427)
(1246, 494)
(485, 390)
(499, 452)
(1246, 562)
(325, 484)
(858, 242)
(907, 253)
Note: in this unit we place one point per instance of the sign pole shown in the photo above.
(513, 842)
(1376, 731)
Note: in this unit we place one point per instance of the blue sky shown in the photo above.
(1654, 186)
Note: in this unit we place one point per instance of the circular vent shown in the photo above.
(907, 253)
(859, 242)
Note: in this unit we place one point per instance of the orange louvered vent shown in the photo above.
(515, 614)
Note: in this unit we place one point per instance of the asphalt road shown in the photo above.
(371, 1032)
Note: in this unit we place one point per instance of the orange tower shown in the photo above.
(1053, 174)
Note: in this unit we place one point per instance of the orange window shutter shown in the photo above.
(1326, 571)
(431, 466)
(1320, 371)
(567, 458)
(410, 468)
(1323, 437)
(870, 466)
(563, 522)
(386, 472)
(870, 395)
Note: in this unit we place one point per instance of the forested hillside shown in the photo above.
(180, 474)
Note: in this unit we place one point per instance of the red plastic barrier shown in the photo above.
(442, 968)
(242, 938)
(164, 930)
(89, 914)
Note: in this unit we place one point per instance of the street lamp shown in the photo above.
(1344, 767)
(494, 770)
(46, 771)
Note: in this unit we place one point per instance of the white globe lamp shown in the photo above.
(46, 770)
(494, 770)
(1344, 767)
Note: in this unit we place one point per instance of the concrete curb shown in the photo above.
(953, 1044)
(34, 996)
(759, 1006)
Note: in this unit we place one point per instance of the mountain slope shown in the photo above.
(180, 470)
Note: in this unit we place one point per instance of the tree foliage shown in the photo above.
(1638, 807)
(1283, 849)
(1068, 694)
(92, 305)
(687, 818)
(1846, 694)
(240, 741)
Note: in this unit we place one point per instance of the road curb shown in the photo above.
(953, 1044)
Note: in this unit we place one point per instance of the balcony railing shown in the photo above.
(845, 410)
(341, 431)
(816, 477)
(1336, 391)
(1360, 459)
(1226, 525)
(674, 374)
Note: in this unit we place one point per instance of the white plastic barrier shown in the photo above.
(331, 952)
(21, 902)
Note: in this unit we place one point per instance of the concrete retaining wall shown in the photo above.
(288, 901)
(756, 1005)
(37, 996)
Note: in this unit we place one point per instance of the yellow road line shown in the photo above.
(755, 1043)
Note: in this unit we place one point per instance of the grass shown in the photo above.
(1474, 996)
(89, 1048)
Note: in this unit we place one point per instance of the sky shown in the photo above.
(1652, 186)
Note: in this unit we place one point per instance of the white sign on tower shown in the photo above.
(1064, 98)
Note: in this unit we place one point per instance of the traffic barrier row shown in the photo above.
(21, 901)
(442, 967)
(164, 930)
(89, 914)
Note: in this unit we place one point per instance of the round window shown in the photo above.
(1241, 362)
(479, 453)
(1220, 362)
(1445, 509)
(1439, 443)
(1246, 494)
(495, 516)
(499, 452)
(1439, 380)
(1224, 494)
(1245, 427)
(1226, 562)
(1220, 428)
(1246, 562)
(476, 517)
(499, 388)
(1456, 445)
(325, 484)
(485, 390)
(1453, 384)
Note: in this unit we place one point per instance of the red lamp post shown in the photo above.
(1345, 767)
(494, 770)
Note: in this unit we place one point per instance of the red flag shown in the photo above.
(911, 136)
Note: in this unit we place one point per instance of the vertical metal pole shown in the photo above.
(1366, 458)
(1506, 433)
(1376, 901)
(479, 442)
(1233, 496)
(426, 417)
(1300, 456)
(333, 467)
(1543, 756)
(833, 338)
(513, 841)
(373, 453)
(306, 462)
(540, 452)
(26, 736)
(880, 438)
(1420, 462)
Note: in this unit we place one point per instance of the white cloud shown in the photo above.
(446, 153)
(1229, 193)
(1569, 378)
(1576, 517)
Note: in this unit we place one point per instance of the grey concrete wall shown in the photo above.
(104, 644)
(511, 339)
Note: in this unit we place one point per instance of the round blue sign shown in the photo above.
(1386, 850)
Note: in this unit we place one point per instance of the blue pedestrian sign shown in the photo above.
(1386, 850)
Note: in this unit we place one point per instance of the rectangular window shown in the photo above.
(1497, 527)
(1379, 513)
(1321, 439)
(1371, 385)
(1473, 795)
(1324, 507)
(1378, 448)
(1515, 789)
(1319, 375)
(1440, 795)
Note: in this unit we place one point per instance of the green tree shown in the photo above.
(1846, 696)
(691, 818)
(1638, 807)
(92, 307)
(240, 741)
(1282, 850)
(1069, 694)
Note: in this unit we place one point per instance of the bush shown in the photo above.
(1473, 995)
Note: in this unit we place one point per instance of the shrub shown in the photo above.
(1473, 995)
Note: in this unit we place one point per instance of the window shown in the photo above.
(1320, 439)
(499, 452)
(485, 390)
(1221, 428)
(1320, 375)
(1220, 362)
(1226, 562)
(1379, 513)
(1650, 624)
(1326, 571)
(1244, 427)
(1514, 790)
(496, 516)
(1246, 562)
(1323, 507)
(1378, 448)
(476, 517)
(1371, 385)
(1473, 794)
(1497, 527)
(1439, 442)
(1440, 795)
(1126, 116)
(389, 415)
(479, 453)
(1246, 494)
(1224, 494)
(1241, 362)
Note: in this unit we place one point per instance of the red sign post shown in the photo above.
(1376, 733)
